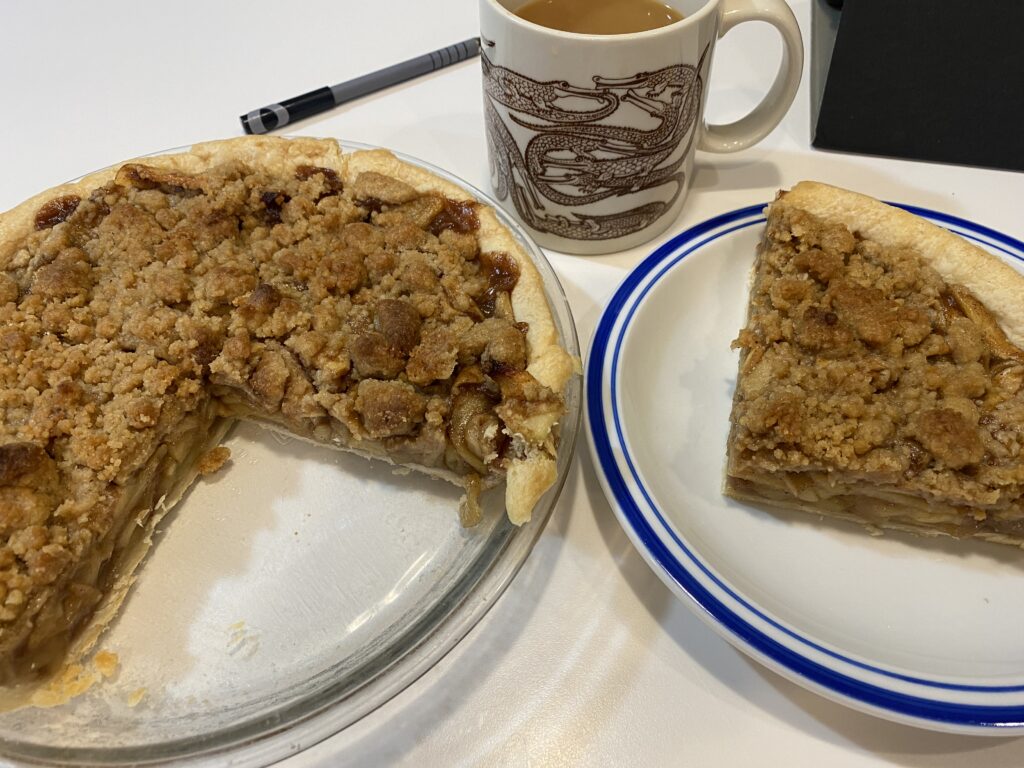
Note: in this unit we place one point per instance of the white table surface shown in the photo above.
(587, 659)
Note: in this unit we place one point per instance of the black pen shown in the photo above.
(275, 116)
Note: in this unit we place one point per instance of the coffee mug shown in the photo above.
(591, 138)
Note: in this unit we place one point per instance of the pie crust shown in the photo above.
(881, 375)
(354, 300)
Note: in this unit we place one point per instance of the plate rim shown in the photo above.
(600, 383)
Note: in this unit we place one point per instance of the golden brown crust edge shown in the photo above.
(998, 285)
(269, 151)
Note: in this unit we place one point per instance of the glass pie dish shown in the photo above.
(290, 595)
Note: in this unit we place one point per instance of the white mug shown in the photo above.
(591, 137)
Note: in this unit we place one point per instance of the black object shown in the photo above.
(927, 80)
(266, 119)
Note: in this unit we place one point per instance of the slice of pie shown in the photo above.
(350, 299)
(881, 374)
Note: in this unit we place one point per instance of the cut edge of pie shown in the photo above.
(528, 474)
(947, 460)
(76, 674)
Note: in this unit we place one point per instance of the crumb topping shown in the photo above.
(212, 461)
(344, 314)
(859, 358)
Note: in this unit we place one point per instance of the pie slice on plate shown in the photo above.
(881, 375)
(353, 300)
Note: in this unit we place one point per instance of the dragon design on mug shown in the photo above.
(575, 158)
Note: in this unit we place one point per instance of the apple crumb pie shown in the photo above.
(881, 374)
(350, 299)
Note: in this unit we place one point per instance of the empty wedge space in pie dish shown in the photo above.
(295, 587)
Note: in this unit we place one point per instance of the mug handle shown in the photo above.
(750, 129)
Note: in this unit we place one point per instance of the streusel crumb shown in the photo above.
(212, 461)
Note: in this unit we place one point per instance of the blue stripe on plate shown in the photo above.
(914, 706)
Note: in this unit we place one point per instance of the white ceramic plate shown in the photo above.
(926, 632)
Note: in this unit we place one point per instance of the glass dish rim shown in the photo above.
(301, 723)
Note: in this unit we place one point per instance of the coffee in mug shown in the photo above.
(591, 137)
(599, 17)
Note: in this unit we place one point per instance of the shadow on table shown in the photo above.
(720, 174)
(905, 744)
(759, 168)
